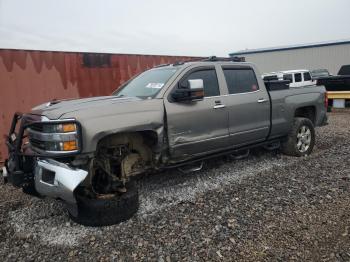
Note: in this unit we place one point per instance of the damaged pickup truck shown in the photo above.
(87, 152)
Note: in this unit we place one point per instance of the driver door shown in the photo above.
(198, 127)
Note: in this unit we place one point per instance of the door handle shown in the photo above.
(219, 106)
(262, 100)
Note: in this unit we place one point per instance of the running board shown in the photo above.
(238, 155)
(220, 153)
(191, 169)
(273, 146)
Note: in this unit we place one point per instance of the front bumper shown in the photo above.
(53, 179)
(39, 174)
(57, 180)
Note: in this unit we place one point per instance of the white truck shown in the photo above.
(297, 78)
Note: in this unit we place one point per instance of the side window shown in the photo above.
(307, 76)
(210, 81)
(240, 80)
(297, 77)
(288, 77)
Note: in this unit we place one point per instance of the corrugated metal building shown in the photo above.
(329, 55)
(29, 78)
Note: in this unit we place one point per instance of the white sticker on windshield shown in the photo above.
(155, 85)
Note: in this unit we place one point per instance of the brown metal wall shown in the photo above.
(28, 78)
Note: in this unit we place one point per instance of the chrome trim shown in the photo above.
(207, 97)
(219, 106)
(53, 152)
(46, 119)
(54, 137)
(4, 171)
(66, 180)
(243, 93)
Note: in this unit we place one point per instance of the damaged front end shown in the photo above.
(40, 151)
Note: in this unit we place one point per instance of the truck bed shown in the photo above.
(335, 83)
(283, 104)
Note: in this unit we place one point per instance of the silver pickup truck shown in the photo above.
(87, 152)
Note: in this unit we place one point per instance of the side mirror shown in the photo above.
(191, 90)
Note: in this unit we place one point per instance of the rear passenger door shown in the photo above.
(248, 106)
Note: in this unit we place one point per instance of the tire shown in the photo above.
(297, 135)
(105, 212)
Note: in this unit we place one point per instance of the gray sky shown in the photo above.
(177, 27)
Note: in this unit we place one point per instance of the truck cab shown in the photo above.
(297, 78)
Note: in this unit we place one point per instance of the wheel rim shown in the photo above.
(304, 139)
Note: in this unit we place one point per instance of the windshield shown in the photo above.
(147, 84)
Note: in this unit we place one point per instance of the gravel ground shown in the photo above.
(265, 207)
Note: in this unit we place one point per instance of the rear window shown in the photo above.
(319, 73)
(344, 70)
(240, 80)
(307, 76)
(297, 77)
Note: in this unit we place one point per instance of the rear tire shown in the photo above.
(105, 212)
(301, 138)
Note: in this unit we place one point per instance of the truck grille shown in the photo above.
(37, 127)
(35, 143)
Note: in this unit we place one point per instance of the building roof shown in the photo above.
(290, 47)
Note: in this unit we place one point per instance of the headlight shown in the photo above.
(60, 146)
(59, 128)
(55, 137)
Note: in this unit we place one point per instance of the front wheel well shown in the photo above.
(144, 142)
(119, 157)
(147, 137)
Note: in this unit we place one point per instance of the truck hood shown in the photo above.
(102, 116)
(96, 105)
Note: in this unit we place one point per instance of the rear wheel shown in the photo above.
(301, 139)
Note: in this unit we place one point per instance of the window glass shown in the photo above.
(240, 80)
(288, 77)
(344, 70)
(210, 81)
(147, 84)
(319, 73)
(307, 76)
(297, 77)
